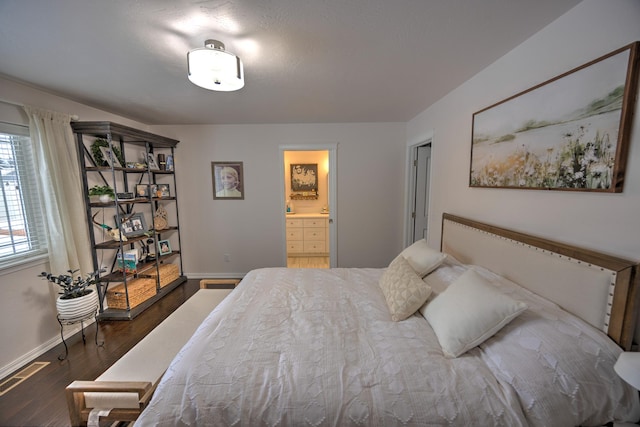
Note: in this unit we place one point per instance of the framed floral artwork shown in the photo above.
(568, 133)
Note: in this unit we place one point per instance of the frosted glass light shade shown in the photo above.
(628, 368)
(213, 68)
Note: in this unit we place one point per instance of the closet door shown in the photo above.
(421, 201)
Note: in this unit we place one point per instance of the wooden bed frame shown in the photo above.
(599, 288)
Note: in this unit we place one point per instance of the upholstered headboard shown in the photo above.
(599, 288)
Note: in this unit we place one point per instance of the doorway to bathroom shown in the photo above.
(309, 205)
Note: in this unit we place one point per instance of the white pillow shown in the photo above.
(468, 312)
(422, 258)
(403, 289)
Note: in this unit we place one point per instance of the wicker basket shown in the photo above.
(168, 273)
(139, 291)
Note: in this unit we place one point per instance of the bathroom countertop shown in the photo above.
(307, 215)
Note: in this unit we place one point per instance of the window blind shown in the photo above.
(22, 230)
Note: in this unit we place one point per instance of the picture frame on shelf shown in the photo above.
(164, 247)
(127, 262)
(133, 225)
(163, 190)
(170, 162)
(142, 190)
(97, 156)
(151, 161)
(228, 180)
(110, 157)
(569, 133)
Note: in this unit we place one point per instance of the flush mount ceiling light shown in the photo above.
(213, 68)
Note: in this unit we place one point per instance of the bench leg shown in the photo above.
(75, 401)
(219, 283)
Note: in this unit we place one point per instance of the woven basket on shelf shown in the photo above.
(168, 273)
(139, 291)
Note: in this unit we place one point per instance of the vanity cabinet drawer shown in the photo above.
(314, 234)
(294, 234)
(295, 222)
(314, 246)
(315, 222)
(295, 246)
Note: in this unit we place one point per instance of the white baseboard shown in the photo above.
(29, 357)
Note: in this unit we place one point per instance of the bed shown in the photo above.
(335, 347)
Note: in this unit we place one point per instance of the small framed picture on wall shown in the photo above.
(228, 180)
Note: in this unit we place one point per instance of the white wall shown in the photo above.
(608, 222)
(370, 162)
(605, 222)
(27, 303)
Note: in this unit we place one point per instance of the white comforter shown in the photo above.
(318, 348)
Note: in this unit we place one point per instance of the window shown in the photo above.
(22, 235)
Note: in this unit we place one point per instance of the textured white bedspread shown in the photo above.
(318, 348)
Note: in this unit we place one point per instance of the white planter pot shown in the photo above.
(78, 307)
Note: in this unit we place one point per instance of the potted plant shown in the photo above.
(76, 298)
(104, 193)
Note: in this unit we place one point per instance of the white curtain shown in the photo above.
(61, 191)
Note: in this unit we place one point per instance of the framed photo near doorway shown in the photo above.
(228, 180)
(569, 133)
(304, 179)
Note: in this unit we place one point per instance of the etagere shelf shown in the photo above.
(126, 292)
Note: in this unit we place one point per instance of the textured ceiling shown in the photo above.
(305, 61)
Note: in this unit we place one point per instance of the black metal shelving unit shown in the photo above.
(123, 180)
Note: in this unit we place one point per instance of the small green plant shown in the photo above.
(71, 287)
(99, 190)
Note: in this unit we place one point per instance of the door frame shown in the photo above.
(332, 149)
(410, 185)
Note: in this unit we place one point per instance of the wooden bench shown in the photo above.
(127, 386)
(219, 283)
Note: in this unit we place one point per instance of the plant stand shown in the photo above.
(73, 320)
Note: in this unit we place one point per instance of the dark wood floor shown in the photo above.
(40, 400)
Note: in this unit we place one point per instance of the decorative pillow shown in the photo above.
(440, 278)
(469, 312)
(403, 289)
(422, 258)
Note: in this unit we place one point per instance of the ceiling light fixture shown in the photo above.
(213, 68)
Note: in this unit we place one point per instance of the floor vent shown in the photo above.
(19, 377)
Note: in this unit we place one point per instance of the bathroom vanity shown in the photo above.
(307, 235)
